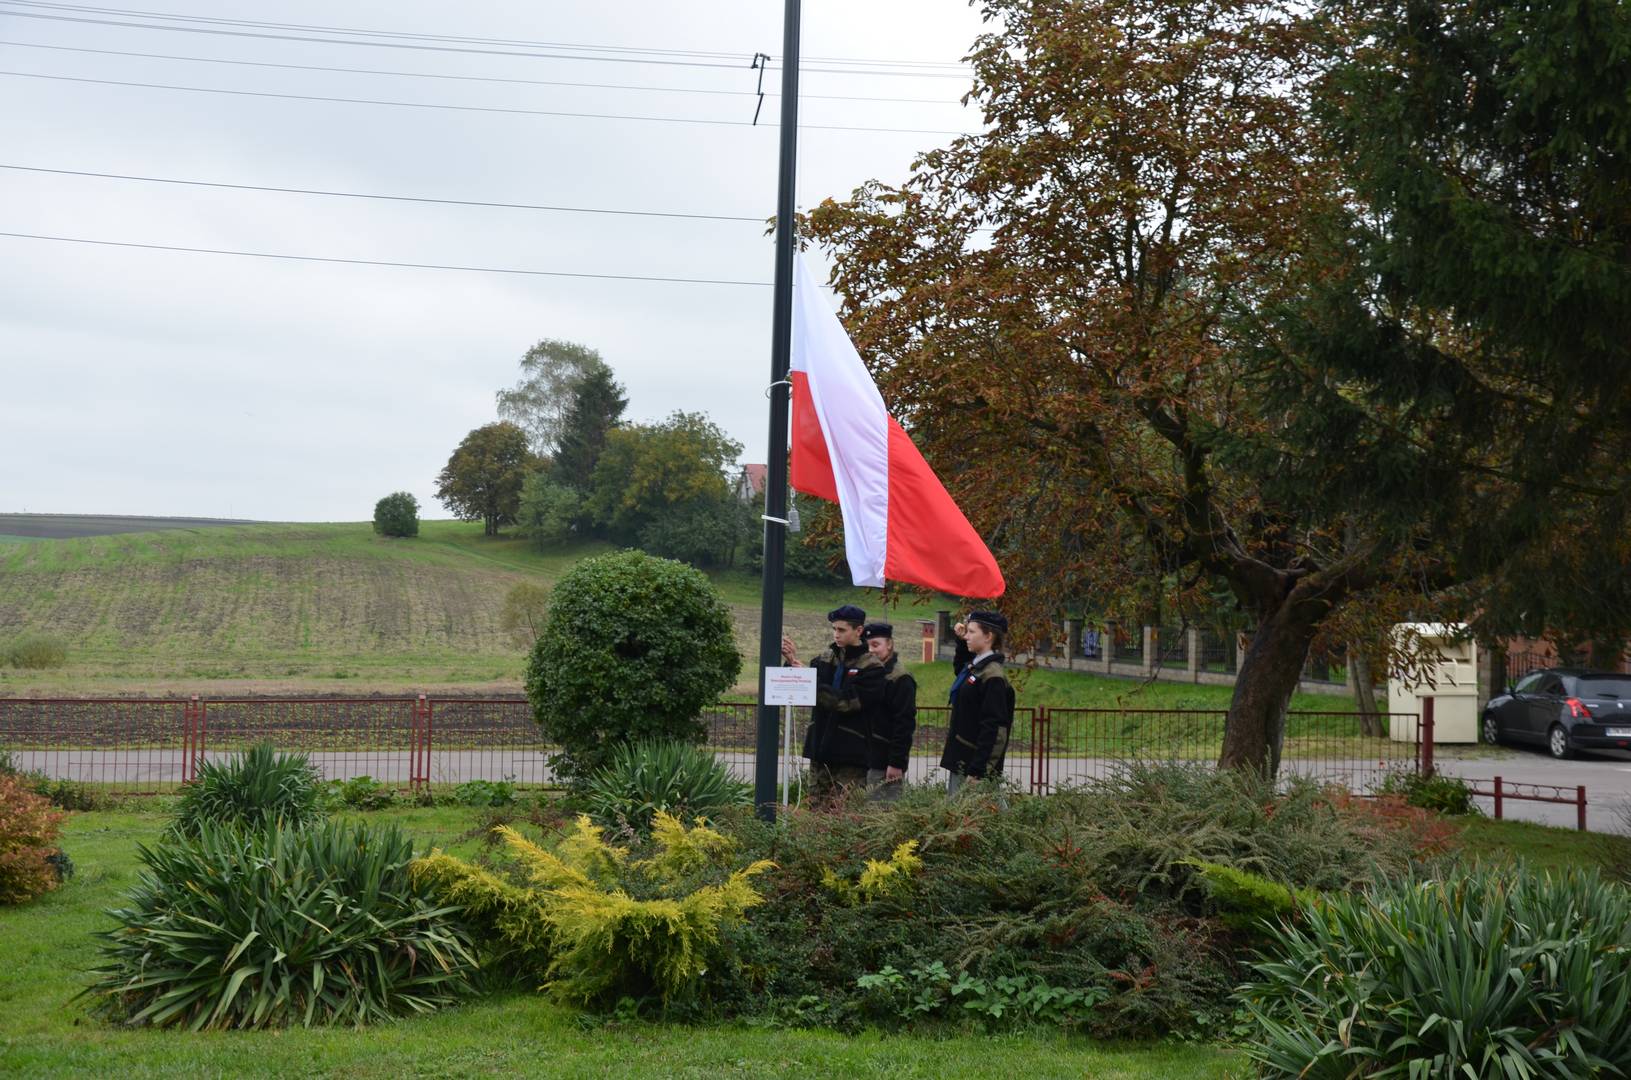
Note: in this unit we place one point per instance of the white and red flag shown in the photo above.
(899, 521)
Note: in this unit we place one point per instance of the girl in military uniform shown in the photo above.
(982, 702)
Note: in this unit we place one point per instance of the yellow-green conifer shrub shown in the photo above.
(880, 879)
(597, 925)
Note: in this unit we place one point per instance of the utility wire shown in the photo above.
(472, 78)
(381, 262)
(466, 49)
(258, 24)
(389, 198)
(467, 108)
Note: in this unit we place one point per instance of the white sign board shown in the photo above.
(790, 686)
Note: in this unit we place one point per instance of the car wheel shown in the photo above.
(1557, 741)
(1492, 729)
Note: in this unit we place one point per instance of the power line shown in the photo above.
(389, 198)
(465, 49)
(259, 24)
(381, 262)
(471, 78)
(467, 108)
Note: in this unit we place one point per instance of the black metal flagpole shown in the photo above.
(781, 350)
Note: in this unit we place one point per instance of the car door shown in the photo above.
(1541, 706)
(1512, 711)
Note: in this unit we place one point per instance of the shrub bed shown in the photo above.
(1486, 973)
(30, 861)
(273, 927)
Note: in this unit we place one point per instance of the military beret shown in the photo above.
(989, 619)
(877, 629)
(848, 613)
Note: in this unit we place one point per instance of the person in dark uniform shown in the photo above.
(893, 719)
(848, 680)
(982, 702)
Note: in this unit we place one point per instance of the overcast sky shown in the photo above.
(151, 382)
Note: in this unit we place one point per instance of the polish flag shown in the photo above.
(899, 522)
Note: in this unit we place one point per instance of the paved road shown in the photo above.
(1607, 778)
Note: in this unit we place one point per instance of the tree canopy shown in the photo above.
(482, 479)
(597, 405)
(1050, 307)
(542, 398)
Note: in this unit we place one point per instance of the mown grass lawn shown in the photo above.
(46, 945)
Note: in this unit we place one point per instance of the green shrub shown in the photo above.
(549, 511)
(36, 652)
(648, 775)
(1093, 890)
(362, 793)
(1439, 793)
(69, 794)
(489, 793)
(599, 925)
(28, 843)
(1495, 972)
(1248, 901)
(256, 788)
(397, 515)
(634, 647)
(930, 991)
(279, 927)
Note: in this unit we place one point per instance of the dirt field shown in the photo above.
(292, 608)
(68, 526)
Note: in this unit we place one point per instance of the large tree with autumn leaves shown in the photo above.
(1053, 308)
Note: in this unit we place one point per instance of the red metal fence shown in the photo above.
(155, 745)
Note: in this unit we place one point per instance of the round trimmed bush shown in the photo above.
(277, 928)
(634, 647)
(252, 790)
(397, 515)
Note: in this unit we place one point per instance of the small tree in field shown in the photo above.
(482, 479)
(397, 515)
(634, 647)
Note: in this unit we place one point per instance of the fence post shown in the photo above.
(1151, 644)
(1192, 652)
(187, 739)
(1424, 732)
(1580, 795)
(1497, 798)
(419, 758)
(1039, 750)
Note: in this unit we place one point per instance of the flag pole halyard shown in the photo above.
(781, 350)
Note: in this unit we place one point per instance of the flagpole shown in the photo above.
(781, 350)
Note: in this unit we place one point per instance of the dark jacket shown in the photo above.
(838, 723)
(982, 716)
(893, 719)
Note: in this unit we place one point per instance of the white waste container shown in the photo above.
(1451, 681)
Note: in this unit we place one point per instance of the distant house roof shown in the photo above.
(754, 477)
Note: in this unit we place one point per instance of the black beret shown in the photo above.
(989, 619)
(848, 613)
(878, 629)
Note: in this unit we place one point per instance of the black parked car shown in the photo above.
(1564, 710)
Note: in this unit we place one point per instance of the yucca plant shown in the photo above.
(278, 927)
(647, 775)
(1490, 973)
(253, 789)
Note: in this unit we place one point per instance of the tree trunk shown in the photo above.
(1370, 720)
(1269, 673)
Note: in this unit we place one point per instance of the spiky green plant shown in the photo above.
(1488, 973)
(278, 927)
(649, 775)
(250, 790)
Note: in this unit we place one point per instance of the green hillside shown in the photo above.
(332, 608)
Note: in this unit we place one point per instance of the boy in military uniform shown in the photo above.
(893, 720)
(982, 702)
(848, 680)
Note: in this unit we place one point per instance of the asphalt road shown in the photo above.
(1607, 779)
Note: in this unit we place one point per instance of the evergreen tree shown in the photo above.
(596, 408)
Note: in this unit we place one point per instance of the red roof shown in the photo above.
(756, 476)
